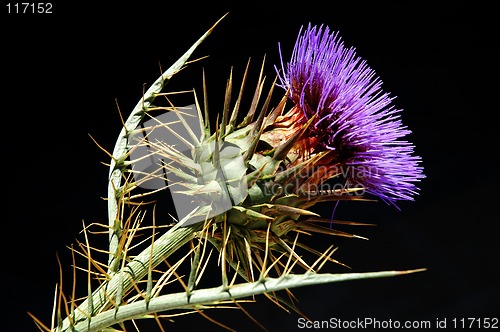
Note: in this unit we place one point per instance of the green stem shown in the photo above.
(216, 295)
(133, 272)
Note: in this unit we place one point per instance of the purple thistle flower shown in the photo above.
(354, 116)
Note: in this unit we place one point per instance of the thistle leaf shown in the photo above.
(120, 150)
(211, 296)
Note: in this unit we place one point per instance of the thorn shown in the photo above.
(100, 147)
(120, 114)
(266, 252)
(234, 114)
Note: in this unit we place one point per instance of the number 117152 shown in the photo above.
(29, 8)
(486, 323)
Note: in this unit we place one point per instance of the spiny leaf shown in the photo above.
(120, 150)
(216, 295)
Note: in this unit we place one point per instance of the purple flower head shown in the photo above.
(354, 117)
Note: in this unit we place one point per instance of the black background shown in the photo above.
(62, 72)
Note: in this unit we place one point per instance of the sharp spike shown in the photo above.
(258, 124)
(184, 123)
(194, 268)
(271, 119)
(256, 97)
(227, 102)
(234, 114)
(282, 150)
(200, 118)
(215, 152)
(253, 145)
(205, 106)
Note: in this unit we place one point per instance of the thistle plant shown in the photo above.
(244, 188)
